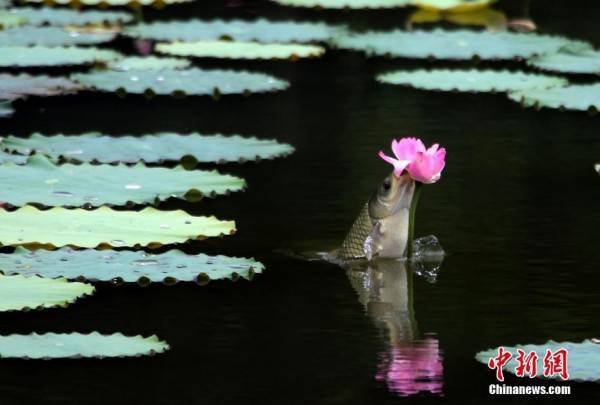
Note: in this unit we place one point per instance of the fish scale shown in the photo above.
(353, 243)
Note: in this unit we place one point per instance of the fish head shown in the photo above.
(393, 195)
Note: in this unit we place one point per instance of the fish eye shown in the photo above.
(386, 185)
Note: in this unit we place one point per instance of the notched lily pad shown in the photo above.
(260, 30)
(105, 226)
(21, 56)
(50, 36)
(6, 110)
(13, 87)
(129, 266)
(19, 292)
(471, 80)
(181, 82)
(583, 97)
(42, 182)
(240, 50)
(148, 63)
(457, 45)
(582, 359)
(112, 3)
(351, 4)
(77, 345)
(152, 148)
(64, 16)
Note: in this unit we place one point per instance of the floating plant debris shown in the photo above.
(64, 16)
(152, 148)
(148, 63)
(129, 266)
(50, 36)
(105, 226)
(260, 30)
(471, 80)
(184, 82)
(19, 292)
(18, 86)
(77, 345)
(42, 182)
(582, 363)
(11, 56)
(458, 45)
(582, 97)
(240, 50)
(353, 4)
(569, 60)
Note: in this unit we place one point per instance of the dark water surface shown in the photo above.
(516, 210)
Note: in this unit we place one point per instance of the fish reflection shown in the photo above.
(411, 365)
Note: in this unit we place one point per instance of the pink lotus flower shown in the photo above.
(422, 164)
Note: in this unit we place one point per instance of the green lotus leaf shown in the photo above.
(260, 30)
(112, 3)
(470, 80)
(188, 81)
(129, 266)
(11, 56)
(77, 345)
(64, 16)
(8, 19)
(573, 97)
(569, 60)
(41, 181)
(6, 110)
(105, 226)
(353, 4)
(240, 50)
(20, 292)
(452, 5)
(50, 36)
(148, 148)
(18, 86)
(148, 63)
(7, 157)
(582, 358)
(457, 45)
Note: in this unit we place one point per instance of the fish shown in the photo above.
(382, 226)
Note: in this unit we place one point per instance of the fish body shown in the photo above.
(381, 228)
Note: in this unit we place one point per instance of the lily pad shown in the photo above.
(112, 3)
(569, 60)
(19, 292)
(352, 4)
(582, 360)
(582, 97)
(64, 16)
(260, 30)
(128, 266)
(153, 148)
(8, 157)
(453, 6)
(471, 80)
(18, 86)
(105, 226)
(148, 63)
(8, 19)
(50, 36)
(240, 50)
(188, 81)
(456, 45)
(11, 56)
(6, 110)
(41, 181)
(77, 345)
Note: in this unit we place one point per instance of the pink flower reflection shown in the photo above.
(409, 369)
